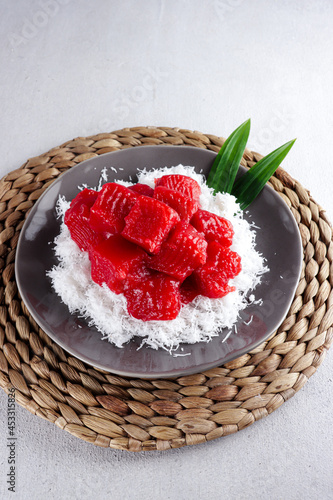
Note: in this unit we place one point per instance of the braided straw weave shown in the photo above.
(112, 411)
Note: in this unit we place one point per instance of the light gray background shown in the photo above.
(71, 68)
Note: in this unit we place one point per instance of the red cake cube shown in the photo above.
(213, 277)
(214, 227)
(113, 203)
(113, 259)
(152, 296)
(142, 189)
(183, 251)
(188, 290)
(149, 223)
(181, 183)
(77, 219)
(184, 206)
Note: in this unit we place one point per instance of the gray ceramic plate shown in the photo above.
(278, 239)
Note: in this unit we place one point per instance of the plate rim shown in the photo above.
(155, 374)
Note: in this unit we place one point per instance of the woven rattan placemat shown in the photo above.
(112, 411)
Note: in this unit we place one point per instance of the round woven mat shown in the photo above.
(112, 411)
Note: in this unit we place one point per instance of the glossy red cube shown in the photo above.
(142, 189)
(77, 219)
(113, 260)
(149, 223)
(113, 203)
(188, 290)
(184, 206)
(152, 296)
(181, 183)
(183, 251)
(222, 264)
(214, 227)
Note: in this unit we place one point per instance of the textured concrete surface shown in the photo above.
(77, 68)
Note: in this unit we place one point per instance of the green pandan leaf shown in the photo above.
(225, 167)
(247, 187)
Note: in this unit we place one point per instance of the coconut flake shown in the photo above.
(198, 321)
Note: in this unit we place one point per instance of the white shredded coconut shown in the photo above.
(198, 321)
(247, 323)
(103, 178)
(227, 336)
